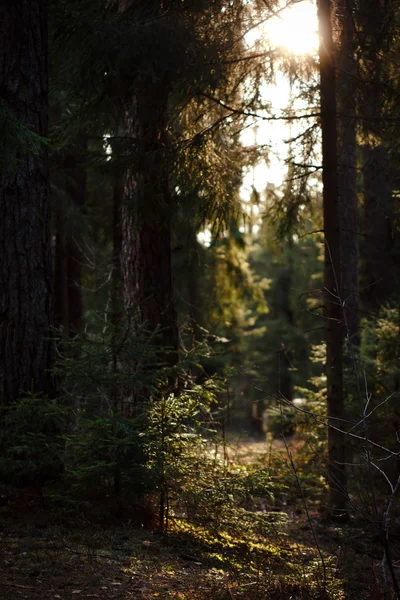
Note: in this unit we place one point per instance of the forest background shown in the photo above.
(164, 284)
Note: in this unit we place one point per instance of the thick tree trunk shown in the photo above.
(378, 268)
(146, 254)
(147, 273)
(25, 266)
(332, 267)
(347, 179)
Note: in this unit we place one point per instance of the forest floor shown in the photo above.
(43, 556)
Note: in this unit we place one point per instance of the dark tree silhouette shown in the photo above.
(332, 267)
(25, 265)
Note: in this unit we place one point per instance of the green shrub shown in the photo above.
(104, 459)
(31, 441)
(281, 420)
(115, 460)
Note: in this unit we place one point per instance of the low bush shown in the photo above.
(32, 445)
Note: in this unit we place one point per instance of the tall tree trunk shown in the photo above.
(60, 266)
(25, 268)
(332, 266)
(377, 271)
(116, 312)
(284, 312)
(75, 187)
(57, 201)
(118, 201)
(347, 179)
(146, 240)
(118, 197)
(377, 229)
(69, 176)
(192, 267)
(146, 253)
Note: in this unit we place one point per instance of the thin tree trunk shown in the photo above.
(57, 201)
(332, 266)
(118, 196)
(116, 309)
(118, 200)
(377, 279)
(75, 187)
(284, 311)
(347, 179)
(60, 267)
(26, 298)
(192, 267)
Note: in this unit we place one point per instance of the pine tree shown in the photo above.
(332, 271)
(346, 73)
(146, 254)
(377, 26)
(25, 266)
(167, 91)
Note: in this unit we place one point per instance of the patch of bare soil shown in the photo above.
(118, 564)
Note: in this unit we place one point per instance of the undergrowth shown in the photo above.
(253, 526)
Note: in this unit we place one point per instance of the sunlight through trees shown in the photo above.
(199, 293)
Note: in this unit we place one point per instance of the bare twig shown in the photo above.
(294, 470)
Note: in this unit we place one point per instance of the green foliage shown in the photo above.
(16, 139)
(104, 464)
(177, 436)
(31, 442)
(380, 350)
(281, 419)
(227, 498)
(136, 434)
(388, 347)
(108, 362)
(168, 460)
(311, 424)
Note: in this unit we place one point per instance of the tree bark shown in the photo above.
(347, 178)
(75, 187)
(283, 311)
(378, 267)
(57, 201)
(377, 270)
(332, 265)
(25, 268)
(69, 175)
(146, 253)
(118, 200)
(60, 267)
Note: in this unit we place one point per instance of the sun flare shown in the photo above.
(294, 29)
